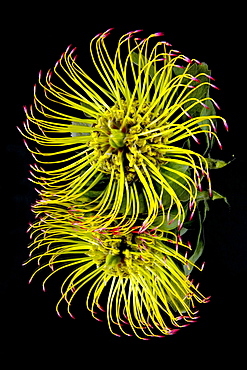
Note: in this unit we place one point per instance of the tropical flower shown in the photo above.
(148, 292)
(119, 179)
(121, 147)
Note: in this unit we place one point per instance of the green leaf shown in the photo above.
(167, 225)
(199, 92)
(195, 256)
(216, 163)
(210, 111)
(171, 171)
(141, 61)
(204, 195)
(142, 204)
(177, 70)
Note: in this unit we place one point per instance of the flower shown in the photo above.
(122, 144)
(118, 175)
(142, 273)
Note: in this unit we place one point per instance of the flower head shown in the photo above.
(143, 274)
(121, 142)
(118, 175)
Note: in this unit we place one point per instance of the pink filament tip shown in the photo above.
(159, 34)
(96, 318)
(188, 115)
(220, 145)
(165, 43)
(73, 317)
(215, 87)
(191, 216)
(195, 79)
(210, 77)
(195, 138)
(217, 105)
(188, 60)
(72, 51)
(68, 48)
(109, 30)
(56, 64)
(204, 105)
(174, 331)
(197, 61)
(226, 125)
(101, 308)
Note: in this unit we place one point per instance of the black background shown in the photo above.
(35, 37)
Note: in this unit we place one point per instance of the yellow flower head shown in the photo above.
(120, 145)
(143, 275)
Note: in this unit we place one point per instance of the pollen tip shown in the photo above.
(165, 43)
(210, 77)
(226, 125)
(96, 318)
(174, 331)
(159, 34)
(191, 216)
(215, 87)
(68, 48)
(56, 64)
(109, 30)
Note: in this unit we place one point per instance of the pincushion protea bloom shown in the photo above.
(124, 179)
(125, 152)
(142, 273)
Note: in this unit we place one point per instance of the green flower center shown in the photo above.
(122, 136)
(121, 255)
